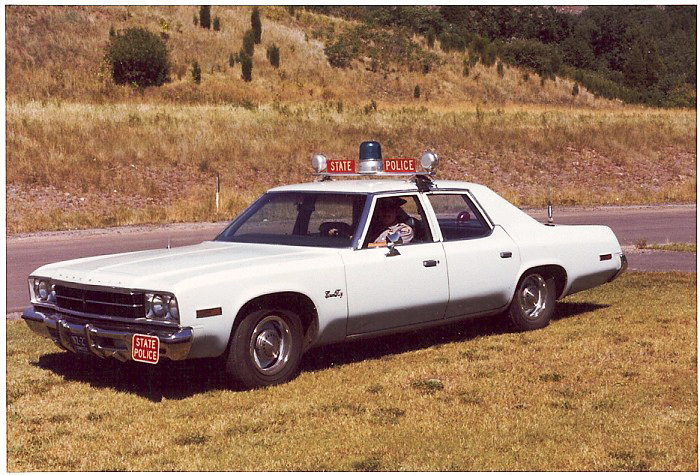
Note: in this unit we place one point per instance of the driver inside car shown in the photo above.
(387, 218)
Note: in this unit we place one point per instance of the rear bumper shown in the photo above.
(104, 340)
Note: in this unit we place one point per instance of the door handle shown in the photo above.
(506, 254)
(430, 263)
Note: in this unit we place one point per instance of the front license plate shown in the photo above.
(145, 348)
(79, 343)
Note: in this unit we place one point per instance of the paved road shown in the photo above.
(660, 224)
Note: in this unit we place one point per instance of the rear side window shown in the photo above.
(458, 217)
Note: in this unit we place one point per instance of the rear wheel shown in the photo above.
(265, 349)
(533, 303)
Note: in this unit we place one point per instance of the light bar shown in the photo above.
(372, 164)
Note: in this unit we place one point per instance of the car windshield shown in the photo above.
(299, 219)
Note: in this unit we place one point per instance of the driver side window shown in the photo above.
(398, 214)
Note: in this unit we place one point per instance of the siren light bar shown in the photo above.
(371, 164)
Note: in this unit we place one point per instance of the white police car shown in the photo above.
(322, 262)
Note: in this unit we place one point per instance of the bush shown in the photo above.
(246, 67)
(137, 56)
(273, 55)
(249, 43)
(205, 17)
(217, 24)
(196, 72)
(256, 25)
(416, 92)
(545, 60)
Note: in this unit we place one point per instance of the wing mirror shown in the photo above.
(393, 240)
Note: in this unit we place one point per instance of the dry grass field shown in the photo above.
(73, 165)
(610, 385)
(83, 152)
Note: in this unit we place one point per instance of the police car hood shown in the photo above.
(162, 269)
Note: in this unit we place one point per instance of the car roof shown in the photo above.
(371, 186)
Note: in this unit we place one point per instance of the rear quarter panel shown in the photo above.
(577, 249)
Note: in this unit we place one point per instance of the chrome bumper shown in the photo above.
(103, 341)
(623, 267)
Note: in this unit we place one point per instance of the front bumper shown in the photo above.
(623, 267)
(105, 340)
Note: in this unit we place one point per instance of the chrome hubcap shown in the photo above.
(270, 345)
(533, 296)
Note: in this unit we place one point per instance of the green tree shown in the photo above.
(256, 25)
(246, 67)
(138, 57)
(196, 72)
(635, 70)
(273, 55)
(205, 17)
(249, 42)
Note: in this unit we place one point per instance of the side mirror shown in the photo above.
(393, 240)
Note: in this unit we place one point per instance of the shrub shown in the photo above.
(256, 25)
(545, 60)
(273, 55)
(205, 17)
(500, 70)
(416, 92)
(231, 60)
(249, 42)
(574, 91)
(217, 24)
(246, 67)
(139, 57)
(196, 72)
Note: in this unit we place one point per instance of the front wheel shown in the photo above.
(533, 303)
(265, 349)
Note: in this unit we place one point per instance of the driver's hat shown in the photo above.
(393, 202)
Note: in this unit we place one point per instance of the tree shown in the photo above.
(634, 69)
(217, 23)
(273, 55)
(246, 67)
(196, 72)
(138, 57)
(249, 42)
(205, 17)
(256, 25)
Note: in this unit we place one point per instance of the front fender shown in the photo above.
(322, 280)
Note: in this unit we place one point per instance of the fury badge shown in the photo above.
(337, 293)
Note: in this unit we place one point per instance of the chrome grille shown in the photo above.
(100, 302)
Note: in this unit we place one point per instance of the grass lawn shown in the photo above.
(610, 385)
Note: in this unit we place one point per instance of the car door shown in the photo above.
(482, 260)
(388, 290)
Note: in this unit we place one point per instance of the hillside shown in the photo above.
(87, 152)
(56, 53)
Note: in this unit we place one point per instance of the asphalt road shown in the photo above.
(657, 224)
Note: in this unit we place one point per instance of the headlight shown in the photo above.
(162, 307)
(43, 290)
